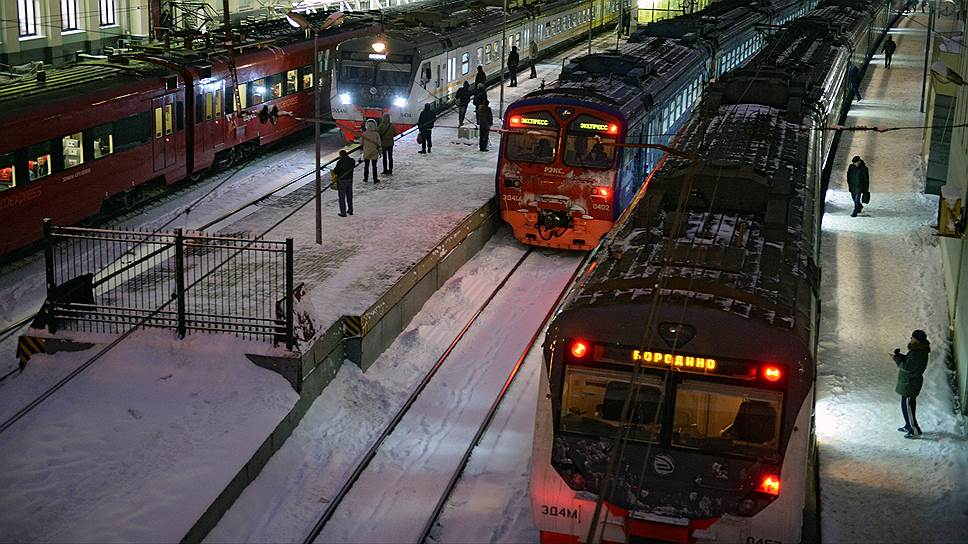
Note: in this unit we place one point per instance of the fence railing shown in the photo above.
(108, 280)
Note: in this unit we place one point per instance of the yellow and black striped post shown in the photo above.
(27, 346)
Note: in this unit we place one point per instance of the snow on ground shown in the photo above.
(283, 503)
(882, 278)
(137, 446)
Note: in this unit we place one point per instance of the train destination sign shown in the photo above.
(680, 362)
(658, 358)
(534, 121)
(602, 127)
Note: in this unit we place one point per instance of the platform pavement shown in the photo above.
(882, 278)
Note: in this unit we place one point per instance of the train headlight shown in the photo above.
(345, 99)
(400, 102)
(379, 47)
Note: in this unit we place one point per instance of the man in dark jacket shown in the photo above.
(425, 123)
(480, 80)
(485, 119)
(463, 99)
(853, 79)
(344, 175)
(480, 96)
(890, 46)
(858, 182)
(910, 370)
(513, 59)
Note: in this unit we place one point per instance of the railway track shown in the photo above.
(458, 454)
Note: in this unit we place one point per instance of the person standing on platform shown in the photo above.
(858, 182)
(485, 119)
(387, 132)
(479, 97)
(924, 6)
(532, 58)
(480, 80)
(371, 150)
(890, 46)
(513, 60)
(910, 378)
(425, 123)
(463, 99)
(853, 79)
(344, 178)
(627, 22)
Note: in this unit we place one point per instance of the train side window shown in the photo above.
(209, 105)
(133, 131)
(169, 119)
(480, 55)
(258, 89)
(159, 127)
(38, 160)
(103, 139)
(487, 54)
(275, 86)
(199, 108)
(243, 96)
(179, 116)
(425, 74)
(73, 148)
(307, 77)
(465, 64)
(292, 80)
(8, 173)
(218, 103)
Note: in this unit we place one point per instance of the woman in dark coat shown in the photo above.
(910, 369)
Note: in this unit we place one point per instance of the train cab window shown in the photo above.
(593, 401)
(393, 75)
(73, 148)
(307, 76)
(159, 125)
(38, 161)
(103, 139)
(590, 142)
(533, 138)
(8, 174)
(465, 64)
(726, 419)
(275, 86)
(258, 92)
(292, 79)
(356, 72)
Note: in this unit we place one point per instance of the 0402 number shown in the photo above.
(560, 511)
(753, 540)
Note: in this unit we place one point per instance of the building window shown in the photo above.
(69, 18)
(27, 13)
(109, 12)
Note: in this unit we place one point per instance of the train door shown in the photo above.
(163, 143)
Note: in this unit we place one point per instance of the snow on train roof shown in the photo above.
(740, 246)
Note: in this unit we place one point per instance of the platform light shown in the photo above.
(345, 99)
(400, 102)
(379, 47)
(772, 373)
(770, 484)
(579, 348)
(600, 192)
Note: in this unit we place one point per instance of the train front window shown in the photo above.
(590, 142)
(393, 75)
(593, 402)
(726, 419)
(533, 137)
(357, 72)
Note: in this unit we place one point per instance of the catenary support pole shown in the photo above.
(503, 50)
(316, 98)
(927, 54)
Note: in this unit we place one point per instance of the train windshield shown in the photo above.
(594, 401)
(590, 143)
(393, 75)
(726, 419)
(533, 138)
(354, 71)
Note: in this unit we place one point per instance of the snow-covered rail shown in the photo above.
(399, 486)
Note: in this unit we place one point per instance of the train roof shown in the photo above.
(73, 79)
(630, 79)
(739, 247)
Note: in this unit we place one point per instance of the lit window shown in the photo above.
(159, 126)
(168, 119)
(307, 77)
(8, 174)
(465, 64)
(244, 97)
(27, 14)
(109, 12)
(38, 160)
(218, 103)
(209, 105)
(73, 149)
(258, 91)
(292, 77)
(69, 17)
(275, 85)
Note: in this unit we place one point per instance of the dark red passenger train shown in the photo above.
(88, 136)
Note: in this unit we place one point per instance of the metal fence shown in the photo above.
(107, 280)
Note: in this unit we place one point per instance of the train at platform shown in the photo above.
(677, 393)
(106, 131)
(424, 56)
(573, 156)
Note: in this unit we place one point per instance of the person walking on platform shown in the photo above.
(910, 371)
(344, 179)
(371, 150)
(513, 60)
(532, 57)
(425, 123)
(485, 119)
(480, 80)
(858, 182)
(890, 46)
(627, 22)
(463, 99)
(387, 132)
(853, 79)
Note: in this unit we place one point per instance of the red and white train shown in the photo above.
(83, 137)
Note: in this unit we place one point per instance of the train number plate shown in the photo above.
(561, 511)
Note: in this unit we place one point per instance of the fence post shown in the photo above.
(180, 281)
(49, 265)
(289, 296)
